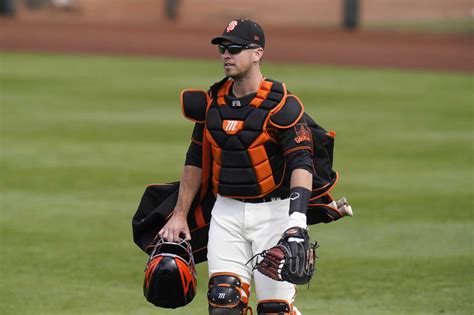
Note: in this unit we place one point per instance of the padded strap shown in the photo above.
(288, 114)
(194, 104)
(274, 307)
(214, 89)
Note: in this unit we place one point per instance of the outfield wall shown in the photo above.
(268, 12)
(97, 26)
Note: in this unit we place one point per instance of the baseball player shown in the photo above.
(251, 144)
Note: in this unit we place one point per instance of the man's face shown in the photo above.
(238, 65)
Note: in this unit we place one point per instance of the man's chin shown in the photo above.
(235, 75)
(230, 73)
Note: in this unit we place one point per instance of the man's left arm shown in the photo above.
(292, 259)
(297, 146)
(300, 193)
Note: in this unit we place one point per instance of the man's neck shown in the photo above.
(247, 84)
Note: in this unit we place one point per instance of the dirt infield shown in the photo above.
(290, 44)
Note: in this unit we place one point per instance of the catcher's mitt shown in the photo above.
(292, 259)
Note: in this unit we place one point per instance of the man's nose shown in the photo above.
(226, 54)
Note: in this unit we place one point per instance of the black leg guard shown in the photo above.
(279, 307)
(226, 295)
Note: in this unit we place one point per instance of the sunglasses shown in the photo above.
(235, 49)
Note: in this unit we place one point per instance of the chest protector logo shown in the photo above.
(231, 127)
(247, 161)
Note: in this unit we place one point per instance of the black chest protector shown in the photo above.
(247, 159)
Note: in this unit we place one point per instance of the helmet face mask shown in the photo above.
(170, 274)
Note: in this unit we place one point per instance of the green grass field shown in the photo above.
(81, 136)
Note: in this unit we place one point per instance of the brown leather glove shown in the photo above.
(292, 259)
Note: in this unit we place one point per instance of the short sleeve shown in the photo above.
(194, 153)
(297, 146)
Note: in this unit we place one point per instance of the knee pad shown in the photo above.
(280, 307)
(227, 295)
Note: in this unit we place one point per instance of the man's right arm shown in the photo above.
(177, 225)
(190, 182)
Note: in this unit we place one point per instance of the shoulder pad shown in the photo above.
(194, 104)
(289, 114)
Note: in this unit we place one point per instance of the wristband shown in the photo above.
(299, 199)
(297, 219)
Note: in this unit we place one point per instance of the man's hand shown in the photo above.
(177, 225)
(175, 228)
(292, 259)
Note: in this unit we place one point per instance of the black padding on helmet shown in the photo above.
(273, 307)
(170, 280)
(288, 115)
(194, 104)
(165, 288)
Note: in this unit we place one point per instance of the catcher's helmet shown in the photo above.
(170, 275)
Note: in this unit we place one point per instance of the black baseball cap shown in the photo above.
(242, 32)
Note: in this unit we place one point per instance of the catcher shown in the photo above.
(267, 166)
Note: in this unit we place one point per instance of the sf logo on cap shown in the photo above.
(231, 26)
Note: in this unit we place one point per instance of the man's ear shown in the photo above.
(257, 54)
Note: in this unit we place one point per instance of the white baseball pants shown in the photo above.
(239, 230)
